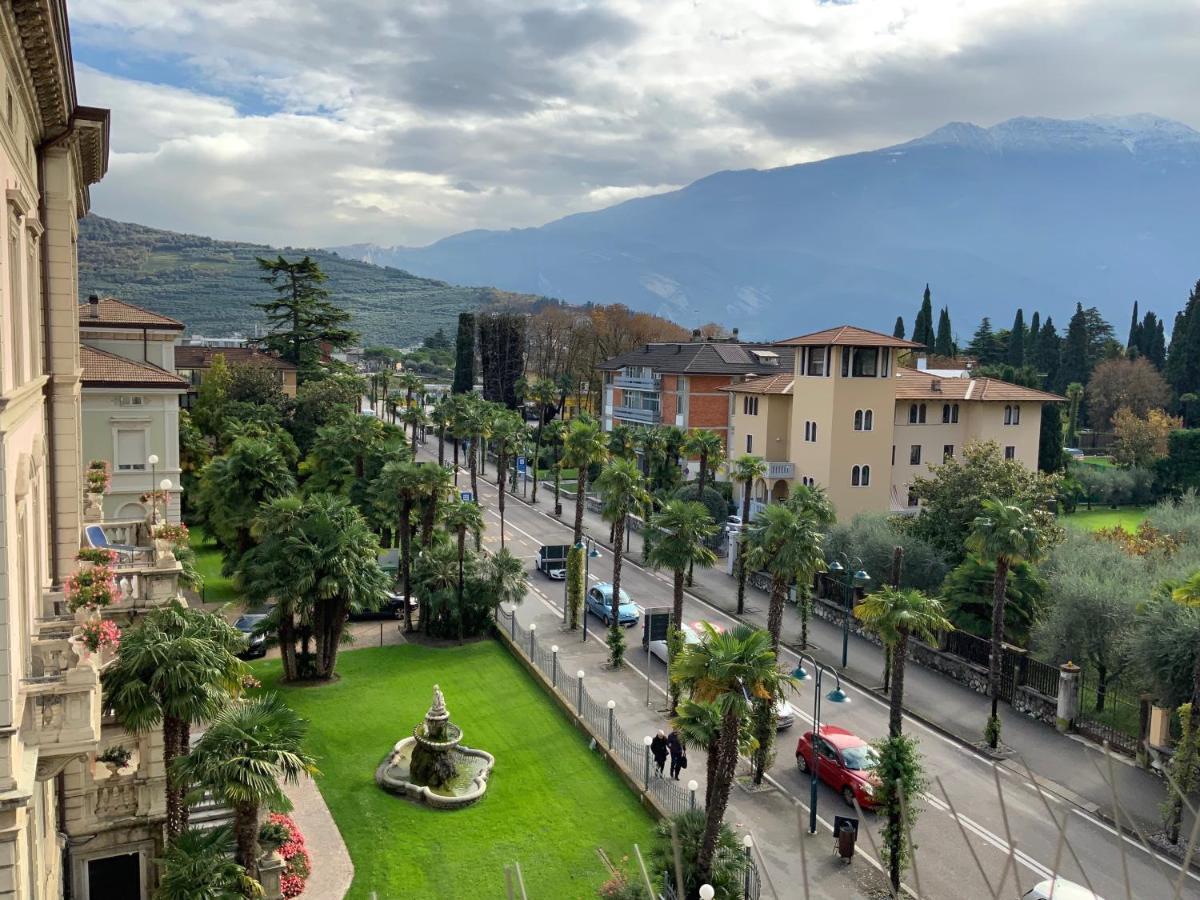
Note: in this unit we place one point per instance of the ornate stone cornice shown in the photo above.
(41, 27)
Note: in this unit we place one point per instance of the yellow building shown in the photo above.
(852, 421)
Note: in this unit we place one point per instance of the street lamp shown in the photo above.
(153, 460)
(856, 575)
(592, 553)
(707, 892)
(837, 695)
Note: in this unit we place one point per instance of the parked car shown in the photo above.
(552, 561)
(599, 602)
(1073, 452)
(691, 636)
(785, 715)
(847, 763)
(256, 642)
(391, 608)
(1059, 889)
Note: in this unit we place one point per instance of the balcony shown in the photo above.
(626, 382)
(777, 470)
(634, 414)
(62, 693)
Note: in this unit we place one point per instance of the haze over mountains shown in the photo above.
(1031, 212)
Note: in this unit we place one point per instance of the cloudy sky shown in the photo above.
(325, 122)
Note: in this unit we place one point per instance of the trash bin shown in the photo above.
(845, 834)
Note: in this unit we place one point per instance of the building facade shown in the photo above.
(130, 403)
(192, 362)
(851, 420)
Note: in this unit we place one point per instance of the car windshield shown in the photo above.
(860, 757)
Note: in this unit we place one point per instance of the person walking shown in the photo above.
(658, 749)
(678, 757)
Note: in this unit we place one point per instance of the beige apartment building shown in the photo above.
(850, 419)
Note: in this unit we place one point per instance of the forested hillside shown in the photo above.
(212, 285)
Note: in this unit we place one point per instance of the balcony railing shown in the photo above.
(633, 414)
(62, 695)
(781, 470)
(626, 382)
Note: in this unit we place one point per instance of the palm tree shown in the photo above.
(475, 421)
(788, 546)
(394, 493)
(585, 446)
(411, 383)
(508, 438)
(318, 560)
(544, 396)
(459, 425)
(249, 748)
(233, 486)
(414, 417)
(812, 503)
(699, 726)
(621, 441)
(459, 519)
(681, 528)
(730, 670)
(176, 667)
(710, 448)
(1008, 534)
(622, 491)
(506, 577)
(746, 470)
(440, 418)
(198, 865)
(553, 433)
(338, 458)
(895, 615)
(437, 485)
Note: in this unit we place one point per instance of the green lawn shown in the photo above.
(1128, 517)
(550, 804)
(1104, 462)
(218, 588)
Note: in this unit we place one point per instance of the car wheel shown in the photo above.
(848, 795)
(397, 613)
(801, 763)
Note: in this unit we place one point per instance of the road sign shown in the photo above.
(520, 465)
(466, 497)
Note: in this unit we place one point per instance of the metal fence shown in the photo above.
(1108, 711)
(967, 646)
(1042, 677)
(600, 719)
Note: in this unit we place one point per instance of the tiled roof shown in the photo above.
(703, 358)
(118, 314)
(849, 335)
(764, 384)
(104, 369)
(912, 384)
(201, 357)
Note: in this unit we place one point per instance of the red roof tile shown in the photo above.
(118, 314)
(849, 335)
(103, 369)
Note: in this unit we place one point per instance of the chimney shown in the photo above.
(922, 363)
(94, 306)
(735, 335)
(696, 335)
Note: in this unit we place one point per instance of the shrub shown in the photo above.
(1111, 486)
(967, 591)
(728, 860)
(873, 536)
(1180, 471)
(297, 863)
(115, 755)
(718, 507)
(98, 555)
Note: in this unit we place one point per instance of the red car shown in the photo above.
(847, 764)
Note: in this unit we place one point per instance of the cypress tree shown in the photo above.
(1035, 331)
(464, 355)
(943, 344)
(1183, 359)
(1016, 341)
(1156, 340)
(1133, 346)
(1050, 439)
(898, 329)
(923, 327)
(1074, 365)
(1048, 352)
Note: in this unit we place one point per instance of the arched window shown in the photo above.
(1016, 415)
(945, 413)
(868, 420)
(858, 420)
(912, 414)
(855, 476)
(954, 413)
(921, 414)
(1008, 415)
(807, 430)
(866, 475)
(814, 436)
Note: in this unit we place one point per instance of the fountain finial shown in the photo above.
(438, 710)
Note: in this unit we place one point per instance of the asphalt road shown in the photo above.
(1005, 836)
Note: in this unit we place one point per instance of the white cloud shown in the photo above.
(311, 122)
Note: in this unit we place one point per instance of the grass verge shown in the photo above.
(218, 588)
(551, 802)
(1128, 517)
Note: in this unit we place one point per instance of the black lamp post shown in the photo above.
(837, 695)
(856, 575)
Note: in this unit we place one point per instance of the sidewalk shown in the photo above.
(1067, 765)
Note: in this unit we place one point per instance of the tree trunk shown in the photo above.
(414, 437)
(727, 746)
(287, 644)
(703, 478)
(462, 540)
(741, 553)
(429, 519)
(537, 452)
(775, 612)
(580, 496)
(474, 474)
(896, 700)
(999, 588)
(441, 445)
(897, 564)
(245, 832)
(455, 458)
(172, 748)
(1101, 686)
(557, 482)
(676, 623)
(618, 543)
(500, 473)
(406, 558)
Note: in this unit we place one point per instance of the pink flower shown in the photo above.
(100, 635)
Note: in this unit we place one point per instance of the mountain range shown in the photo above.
(211, 286)
(1031, 212)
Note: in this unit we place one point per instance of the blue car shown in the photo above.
(599, 602)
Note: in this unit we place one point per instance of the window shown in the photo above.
(1008, 415)
(856, 476)
(750, 406)
(893, 454)
(945, 413)
(912, 499)
(954, 413)
(1010, 452)
(916, 414)
(914, 455)
(1016, 415)
(866, 362)
(868, 420)
(816, 360)
(131, 450)
(846, 353)
(947, 451)
(864, 420)
(921, 413)
(814, 432)
(128, 400)
(749, 443)
(858, 420)
(810, 432)
(866, 475)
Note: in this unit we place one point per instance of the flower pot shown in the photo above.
(79, 648)
(94, 510)
(86, 614)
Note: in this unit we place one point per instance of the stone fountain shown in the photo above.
(433, 766)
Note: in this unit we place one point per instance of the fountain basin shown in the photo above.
(474, 767)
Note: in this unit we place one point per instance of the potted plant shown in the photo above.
(115, 758)
(166, 538)
(97, 479)
(90, 557)
(156, 501)
(101, 636)
(90, 590)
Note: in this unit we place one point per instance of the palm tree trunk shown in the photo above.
(999, 587)
(441, 445)
(676, 624)
(462, 539)
(172, 748)
(896, 699)
(406, 558)
(741, 553)
(557, 485)
(537, 452)
(897, 563)
(455, 458)
(775, 613)
(414, 437)
(474, 473)
(245, 832)
(618, 543)
(580, 494)
(722, 780)
(287, 644)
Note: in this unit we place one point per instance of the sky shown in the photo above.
(330, 122)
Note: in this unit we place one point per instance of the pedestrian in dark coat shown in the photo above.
(658, 749)
(678, 757)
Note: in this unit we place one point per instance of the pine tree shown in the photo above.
(983, 344)
(1133, 346)
(943, 344)
(923, 327)
(1016, 341)
(1183, 359)
(1074, 366)
(1048, 352)
(898, 330)
(301, 320)
(464, 355)
(1155, 340)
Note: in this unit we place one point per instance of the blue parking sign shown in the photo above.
(467, 497)
(520, 465)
